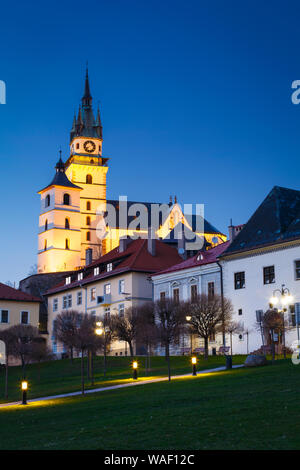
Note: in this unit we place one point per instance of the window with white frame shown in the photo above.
(79, 298)
(96, 271)
(121, 286)
(55, 305)
(24, 317)
(4, 316)
(109, 267)
(107, 289)
(121, 310)
(67, 301)
(93, 293)
(68, 280)
(80, 276)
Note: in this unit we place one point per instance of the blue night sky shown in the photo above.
(195, 101)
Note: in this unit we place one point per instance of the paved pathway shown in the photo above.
(114, 387)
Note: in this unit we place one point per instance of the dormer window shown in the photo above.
(80, 276)
(109, 267)
(68, 280)
(96, 271)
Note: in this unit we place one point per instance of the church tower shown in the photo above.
(59, 238)
(87, 168)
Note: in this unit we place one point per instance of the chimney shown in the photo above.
(123, 244)
(231, 231)
(88, 256)
(151, 241)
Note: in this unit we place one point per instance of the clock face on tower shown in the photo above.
(89, 146)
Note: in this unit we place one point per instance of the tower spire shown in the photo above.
(87, 97)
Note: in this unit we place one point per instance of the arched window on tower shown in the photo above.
(88, 220)
(46, 225)
(67, 223)
(67, 244)
(88, 236)
(66, 199)
(88, 205)
(89, 179)
(47, 200)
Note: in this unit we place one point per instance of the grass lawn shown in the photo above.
(238, 409)
(56, 377)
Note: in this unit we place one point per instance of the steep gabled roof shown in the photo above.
(9, 293)
(277, 219)
(135, 258)
(195, 221)
(200, 259)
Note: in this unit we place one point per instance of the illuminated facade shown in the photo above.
(71, 204)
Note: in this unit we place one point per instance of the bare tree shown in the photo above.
(147, 336)
(170, 321)
(208, 315)
(125, 327)
(21, 346)
(65, 329)
(233, 328)
(8, 338)
(272, 322)
(85, 339)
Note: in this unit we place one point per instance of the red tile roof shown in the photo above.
(136, 257)
(9, 293)
(200, 259)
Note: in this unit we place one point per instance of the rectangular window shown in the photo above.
(297, 269)
(121, 310)
(96, 271)
(194, 292)
(68, 280)
(239, 280)
(4, 316)
(80, 276)
(109, 267)
(212, 337)
(55, 305)
(176, 295)
(79, 298)
(107, 312)
(121, 286)
(107, 289)
(69, 300)
(24, 318)
(269, 275)
(240, 311)
(162, 296)
(211, 290)
(93, 293)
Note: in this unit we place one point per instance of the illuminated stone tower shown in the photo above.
(59, 238)
(87, 168)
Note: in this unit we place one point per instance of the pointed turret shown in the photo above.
(86, 125)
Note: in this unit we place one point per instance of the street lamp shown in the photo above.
(194, 362)
(135, 366)
(24, 387)
(188, 319)
(282, 296)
